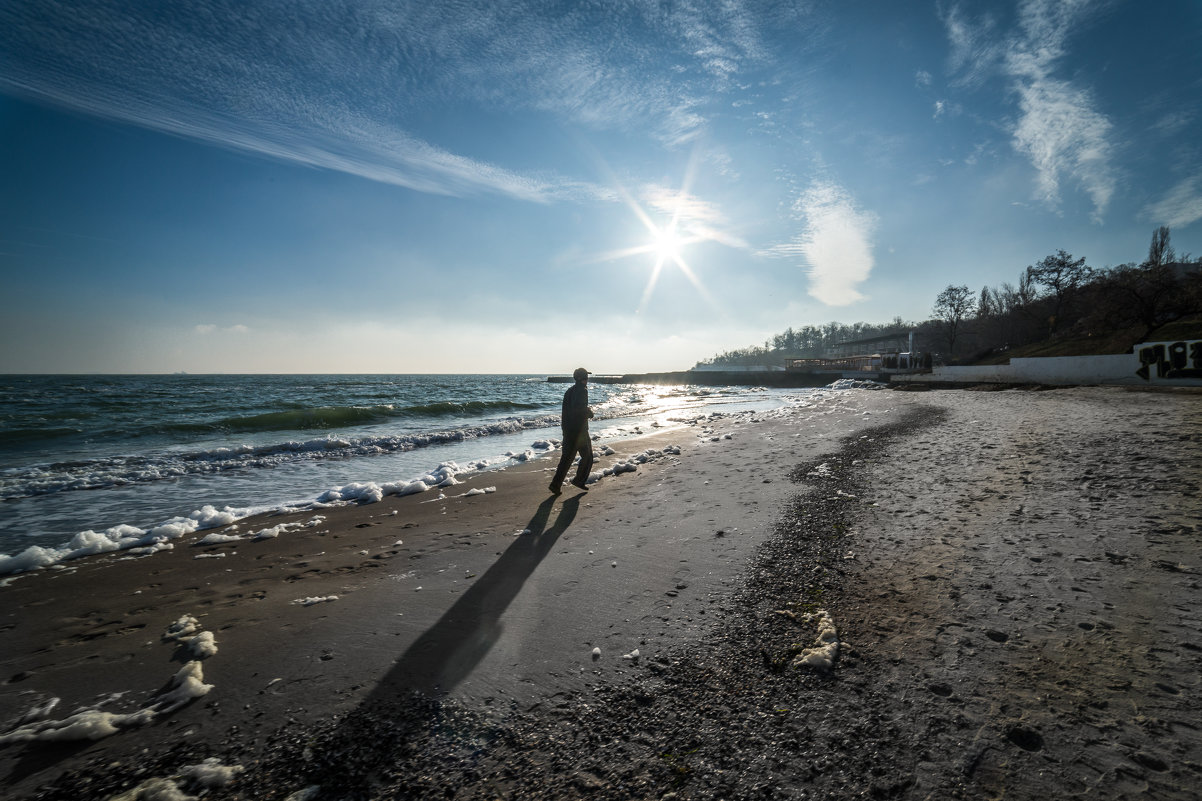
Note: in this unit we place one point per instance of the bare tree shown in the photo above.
(952, 306)
(1160, 251)
(1063, 276)
(985, 304)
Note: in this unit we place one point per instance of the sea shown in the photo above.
(101, 462)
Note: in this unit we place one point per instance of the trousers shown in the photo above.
(575, 442)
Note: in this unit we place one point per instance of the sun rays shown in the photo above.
(682, 222)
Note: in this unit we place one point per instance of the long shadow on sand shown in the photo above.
(382, 732)
(442, 657)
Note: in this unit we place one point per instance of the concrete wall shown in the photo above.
(1152, 364)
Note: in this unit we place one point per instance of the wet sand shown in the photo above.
(1015, 588)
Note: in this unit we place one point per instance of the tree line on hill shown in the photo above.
(1059, 297)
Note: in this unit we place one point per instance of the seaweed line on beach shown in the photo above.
(727, 717)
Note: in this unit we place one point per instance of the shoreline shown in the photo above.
(86, 521)
(533, 674)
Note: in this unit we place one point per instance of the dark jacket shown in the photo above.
(575, 408)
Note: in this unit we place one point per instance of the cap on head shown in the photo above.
(580, 374)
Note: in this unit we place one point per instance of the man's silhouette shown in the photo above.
(575, 434)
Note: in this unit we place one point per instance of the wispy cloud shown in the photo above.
(1058, 128)
(1182, 206)
(975, 49)
(204, 329)
(339, 85)
(836, 243)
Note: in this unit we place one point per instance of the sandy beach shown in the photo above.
(941, 594)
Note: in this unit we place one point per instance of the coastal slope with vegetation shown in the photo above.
(1060, 306)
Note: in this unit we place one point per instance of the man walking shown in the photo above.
(575, 434)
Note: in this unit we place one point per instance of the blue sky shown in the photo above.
(337, 186)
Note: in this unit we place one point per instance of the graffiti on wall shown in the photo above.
(1170, 360)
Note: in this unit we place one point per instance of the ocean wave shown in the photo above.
(118, 471)
(24, 435)
(332, 417)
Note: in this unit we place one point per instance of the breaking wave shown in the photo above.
(123, 470)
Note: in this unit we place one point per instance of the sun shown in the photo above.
(666, 244)
(669, 239)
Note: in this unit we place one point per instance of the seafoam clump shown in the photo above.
(181, 629)
(480, 491)
(853, 383)
(284, 528)
(208, 775)
(186, 631)
(203, 645)
(95, 724)
(186, 686)
(631, 464)
(215, 538)
(442, 476)
(315, 599)
(119, 538)
(820, 656)
(823, 470)
(156, 789)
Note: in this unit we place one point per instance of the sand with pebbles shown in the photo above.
(1011, 578)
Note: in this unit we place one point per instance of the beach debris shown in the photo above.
(632, 656)
(221, 555)
(315, 599)
(596, 653)
(398, 543)
(305, 794)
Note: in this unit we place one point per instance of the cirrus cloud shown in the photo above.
(1059, 128)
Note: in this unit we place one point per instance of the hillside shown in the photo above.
(1119, 341)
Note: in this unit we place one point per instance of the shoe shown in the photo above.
(579, 485)
(555, 489)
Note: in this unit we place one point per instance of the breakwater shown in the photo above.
(722, 378)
